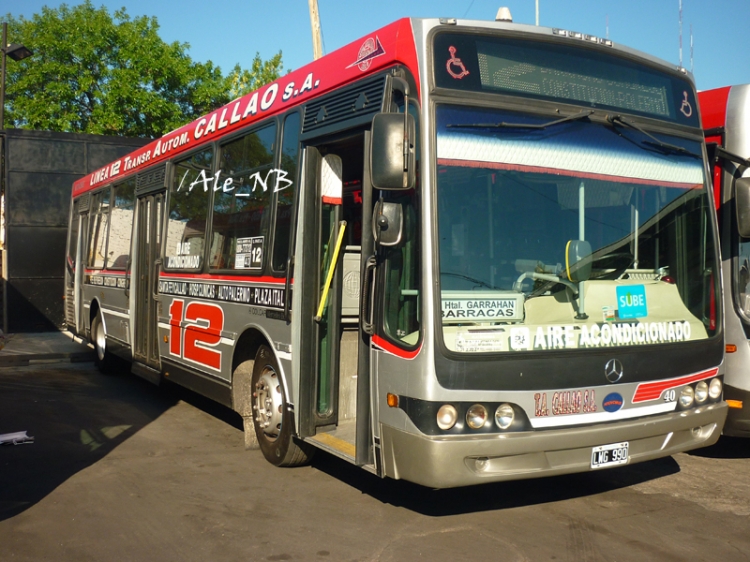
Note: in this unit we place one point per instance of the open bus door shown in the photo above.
(345, 292)
(149, 213)
(74, 266)
(334, 242)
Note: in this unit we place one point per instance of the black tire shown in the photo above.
(103, 359)
(274, 423)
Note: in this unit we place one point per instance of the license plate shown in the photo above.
(609, 455)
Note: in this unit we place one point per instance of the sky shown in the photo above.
(228, 32)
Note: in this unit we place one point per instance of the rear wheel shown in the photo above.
(272, 419)
(104, 359)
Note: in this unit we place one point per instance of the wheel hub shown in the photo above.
(100, 341)
(268, 404)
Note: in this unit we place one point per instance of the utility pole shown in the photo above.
(315, 23)
(537, 13)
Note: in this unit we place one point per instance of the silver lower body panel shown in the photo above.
(450, 461)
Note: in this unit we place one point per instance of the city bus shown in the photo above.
(451, 252)
(725, 114)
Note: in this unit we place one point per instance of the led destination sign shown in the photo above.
(592, 77)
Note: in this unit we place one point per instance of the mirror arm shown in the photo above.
(402, 86)
(581, 315)
(544, 277)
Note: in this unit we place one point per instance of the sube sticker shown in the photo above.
(631, 301)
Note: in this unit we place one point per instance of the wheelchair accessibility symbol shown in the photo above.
(686, 108)
(454, 66)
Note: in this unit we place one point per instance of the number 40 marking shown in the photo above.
(201, 333)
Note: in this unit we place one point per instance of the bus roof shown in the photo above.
(385, 47)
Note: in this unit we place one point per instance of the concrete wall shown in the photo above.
(40, 168)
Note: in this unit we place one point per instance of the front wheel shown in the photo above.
(272, 419)
(104, 360)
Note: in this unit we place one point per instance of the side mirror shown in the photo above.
(578, 260)
(742, 204)
(387, 223)
(392, 151)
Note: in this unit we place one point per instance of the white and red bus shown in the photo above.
(726, 119)
(451, 252)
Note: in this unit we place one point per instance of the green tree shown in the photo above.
(262, 72)
(93, 72)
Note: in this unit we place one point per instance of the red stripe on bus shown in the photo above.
(652, 390)
(393, 350)
(562, 172)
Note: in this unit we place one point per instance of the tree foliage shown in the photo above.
(101, 73)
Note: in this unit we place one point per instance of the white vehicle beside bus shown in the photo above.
(726, 119)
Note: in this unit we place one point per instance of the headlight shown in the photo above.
(701, 392)
(714, 389)
(446, 416)
(504, 416)
(476, 416)
(687, 397)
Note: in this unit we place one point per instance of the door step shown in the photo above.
(334, 445)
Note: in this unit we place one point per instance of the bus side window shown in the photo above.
(239, 225)
(99, 227)
(188, 207)
(286, 195)
(121, 225)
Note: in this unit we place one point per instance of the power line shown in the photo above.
(469, 8)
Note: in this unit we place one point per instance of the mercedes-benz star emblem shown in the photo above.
(613, 370)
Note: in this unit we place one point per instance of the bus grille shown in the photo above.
(151, 179)
(354, 105)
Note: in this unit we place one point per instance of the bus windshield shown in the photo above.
(570, 234)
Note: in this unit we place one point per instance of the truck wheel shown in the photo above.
(273, 421)
(104, 360)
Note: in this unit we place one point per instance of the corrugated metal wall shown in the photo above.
(39, 171)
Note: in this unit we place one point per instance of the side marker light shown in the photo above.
(392, 400)
(736, 404)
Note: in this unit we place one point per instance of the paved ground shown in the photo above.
(122, 470)
(42, 347)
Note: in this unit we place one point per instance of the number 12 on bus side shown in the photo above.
(609, 455)
(204, 323)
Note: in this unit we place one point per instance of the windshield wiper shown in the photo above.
(472, 279)
(504, 125)
(654, 142)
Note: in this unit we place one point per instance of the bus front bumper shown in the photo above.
(450, 461)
